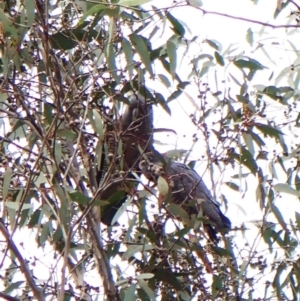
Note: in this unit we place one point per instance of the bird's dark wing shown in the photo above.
(135, 132)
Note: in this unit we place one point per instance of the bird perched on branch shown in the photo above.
(134, 131)
(136, 127)
(187, 190)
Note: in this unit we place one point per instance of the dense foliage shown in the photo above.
(67, 71)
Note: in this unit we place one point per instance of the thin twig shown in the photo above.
(298, 6)
(204, 11)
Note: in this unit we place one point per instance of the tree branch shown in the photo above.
(204, 11)
(37, 292)
(104, 268)
(298, 6)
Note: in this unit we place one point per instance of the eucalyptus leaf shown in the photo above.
(162, 186)
(6, 182)
(285, 188)
(133, 2)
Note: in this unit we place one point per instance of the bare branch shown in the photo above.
(297, 5)
(204, 11)
(104, 267)
(37, 292)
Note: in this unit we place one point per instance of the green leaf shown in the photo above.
(48, 113)
(111, 59)
(171, 50)
(233, 186)
(35, 218)
(161, 100)
(133, 2)
(283, 5)
(240, 176)
(249, 142)
(121, 210)
(276, 282)
(134, 249)
(68, 296)
(7, 25)
(182, 232)
(12, 287)
(197, 3)
(177, 27)
(45, 233)
(257, 139)
(243, 267)
(79, 197)
(162, 186)
(278, 215)
(247, 159)
(217, 285)
(221, 251)
(242, 99)
(298, 121)
(129, 57)
(182, 85)
(57, 235)
(285, 188)
(29, 5)
(184, 296)
(6, 182)
(272, 91)
(142, 211)
(219, 58)
(205, 68)
(297, 182)
(164, 80)
(178, 211)
(145, 276)
(67, 40)
(144, 286)
(249, 36)
(175, 153)
(268, 130)
(297, 216)
(57, 151)
(116, 197)
(65, 133)
(98, 124)
(168, 277)
(212, 43)
(129, 293)
(94, 10)
(16, 206)
(192, 164)
(139, 44)
(283, 144)
(201, 57)
(250, 64)
(272, 170)
(235, 80)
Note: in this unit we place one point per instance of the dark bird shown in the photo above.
(134, 130)
(136, 127)
(187, 190)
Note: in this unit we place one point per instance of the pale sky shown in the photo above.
(243, 208)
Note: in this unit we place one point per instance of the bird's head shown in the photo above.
(153, 165)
